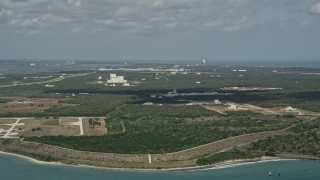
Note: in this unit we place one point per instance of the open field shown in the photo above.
(5, 127)
(69, 126)
(7, 121)
(32, 105)
(48, 127)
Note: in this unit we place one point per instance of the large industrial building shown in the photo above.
(114, 79)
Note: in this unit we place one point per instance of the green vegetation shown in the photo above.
(242, 113)
(161, 129)
(84, 105)
(89, 105)
(305, 140)
(224, 156)
(36, 129)
(174, 126)
(94, 122)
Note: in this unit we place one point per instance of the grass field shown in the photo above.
(30, 105)
(47, 127)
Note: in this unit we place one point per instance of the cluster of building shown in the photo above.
(114, 80)
(250, 89)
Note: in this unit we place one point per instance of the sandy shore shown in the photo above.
(220, 165)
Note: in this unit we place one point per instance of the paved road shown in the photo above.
(13, 125)
(80, 123)
(45, 82)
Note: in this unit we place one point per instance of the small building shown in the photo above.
(289, 108)
(147, 104)
(49, 85)
(231, 106)
(193, 104)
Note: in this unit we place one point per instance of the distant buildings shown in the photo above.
(71, 62)
(114, 79)
(147, 104)
(250, 89)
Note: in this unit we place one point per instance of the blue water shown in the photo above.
(12, 168)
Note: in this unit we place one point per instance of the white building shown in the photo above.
(216, 101)
(147, 104)
(49, 85)
(231, 106)
(114, 79)
(289, 108)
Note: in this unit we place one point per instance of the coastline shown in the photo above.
(220, 165)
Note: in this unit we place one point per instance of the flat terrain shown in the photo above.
(30, 127)
(167, 109)
(30, 105)
(95, 130)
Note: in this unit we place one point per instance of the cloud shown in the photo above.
(40, 21)
(315, 8)
(76, 3)
(238, 25)
(150, 16)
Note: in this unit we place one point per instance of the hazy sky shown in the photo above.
(160, 29)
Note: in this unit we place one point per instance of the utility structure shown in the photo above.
(203, 62)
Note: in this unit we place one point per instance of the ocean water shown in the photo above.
(16, 168)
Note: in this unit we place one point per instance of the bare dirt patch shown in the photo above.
(47, 127)
(68, 120)
(51, 122)
(4, 127)
(53, 131)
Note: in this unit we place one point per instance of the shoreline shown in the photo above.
(220, 165)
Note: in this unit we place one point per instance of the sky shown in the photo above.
(154, 30)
